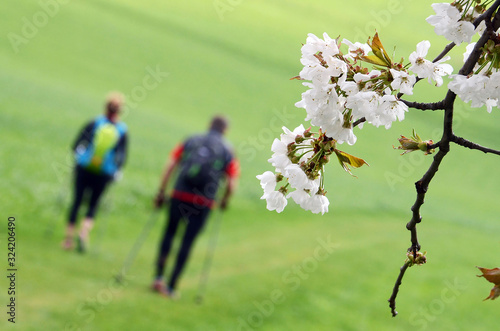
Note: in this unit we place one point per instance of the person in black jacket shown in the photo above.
(203, 161)
(100, 152)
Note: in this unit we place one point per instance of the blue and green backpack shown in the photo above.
(99, 155)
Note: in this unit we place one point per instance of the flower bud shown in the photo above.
(415, 143)
(279, 177)
(299, 139)
(307, 133)
(419, 258)
(283, 190)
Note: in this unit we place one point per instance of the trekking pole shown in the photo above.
(207, 263)
(137, 245)
(106, 206)
(58, 205)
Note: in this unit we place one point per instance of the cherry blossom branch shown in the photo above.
(358, 122)
(445, 51)
(434, 146)
(424, 106)
(487, 13)
(421, 187)
(491, 27)
(474, 55)
(444, 144)
(477, 21)
(392, 299)
(471, 145)
(465, 70)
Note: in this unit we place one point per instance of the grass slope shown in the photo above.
(238, 63)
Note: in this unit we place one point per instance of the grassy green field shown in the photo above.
(180, 63)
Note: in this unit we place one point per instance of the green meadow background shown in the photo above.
(179, 63)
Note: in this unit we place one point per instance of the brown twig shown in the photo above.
(471, 145)
(358, 122)
(445, 51)
(423, 106)
(392, 300)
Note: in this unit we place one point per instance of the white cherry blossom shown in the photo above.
(318, 203)
(357, 49)
(279, 159)
(448, 23)
(267, 181)
(390, 110)
(275, 201)
(402, 81)
(427, 69)
(300, 197)
(298, 178)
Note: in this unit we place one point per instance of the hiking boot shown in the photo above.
(172, 294)
(160, 288)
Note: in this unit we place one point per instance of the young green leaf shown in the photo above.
(347, 160)
(381, 57)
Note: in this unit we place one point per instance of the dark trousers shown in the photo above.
(94, 184)
(195, 216)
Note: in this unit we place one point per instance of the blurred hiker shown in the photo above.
(203, 162)
(100, 152)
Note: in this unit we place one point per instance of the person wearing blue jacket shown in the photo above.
(100, 152)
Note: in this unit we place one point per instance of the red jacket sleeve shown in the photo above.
(233, 168)
(176, 153)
